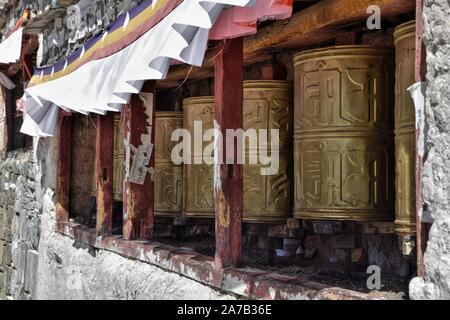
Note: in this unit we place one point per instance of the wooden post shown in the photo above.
(228, 185)
(420, 73)
(273, 71)
(347, 38)
(10, 107)
(63, 168)
(27, 70)
(4, 127)
(139, 139)
(104, 153)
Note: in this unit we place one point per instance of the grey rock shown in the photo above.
(436, 185)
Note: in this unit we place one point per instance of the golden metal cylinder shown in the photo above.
(343, 141)
(405, 137)
(168, 176)
(119, 156)
(118, 163)
(198, 178)
(268, 105)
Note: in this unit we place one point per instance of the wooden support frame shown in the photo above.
(311, 26)
(25, 64)
(3, 124)
(228, 184)
(318, 23)
(422, 228)
(104, 172)
(63, 169)
(139, 138)
(27, 73)
(9, 119)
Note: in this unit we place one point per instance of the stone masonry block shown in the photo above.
(6, 254)
(23, 226)
(21, 267)
(2, 249)
(8, 277)
(2, 282)
(33, 233)
(31, 272)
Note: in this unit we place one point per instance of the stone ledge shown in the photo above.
(246, 282)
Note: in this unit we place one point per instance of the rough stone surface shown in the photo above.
(19, 224)
(43, 264)
(436, 172)
(63, 37)
(68, 270)
(38, 263)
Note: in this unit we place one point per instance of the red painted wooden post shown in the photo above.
(229, 190)
(27, 69)
(420, 73)
(10, 107)
(4, 131)
(29, 46)
(139, 138)
(104, 170)
(63, 165)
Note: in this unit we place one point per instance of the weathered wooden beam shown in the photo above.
(420, 63)
(63, 169)
(311, 26)
(183, 72)
(322, 15)
(104, 171)
(228, 185)
(139, 139)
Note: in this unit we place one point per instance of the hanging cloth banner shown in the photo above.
(139, 46)
(11, 48)
(241, 21)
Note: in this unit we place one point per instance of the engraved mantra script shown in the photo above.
(343, 146)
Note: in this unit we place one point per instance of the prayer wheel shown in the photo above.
(118, 175)
(168, 176)
(198, 176)
(268, 105)
(343, 140)
(119, 156)
(405, 137)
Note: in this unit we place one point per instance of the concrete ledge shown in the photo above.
(245, 282)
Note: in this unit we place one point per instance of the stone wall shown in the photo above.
(38, 263)
(63, 36)
(69, 270)
(19, 225)
(436, 171)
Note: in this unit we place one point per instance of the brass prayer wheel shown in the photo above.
(268, 105)
(119, 159)
(343, 140)
(118, 175)
(168, 176)
(198, 177)
(405, 137)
